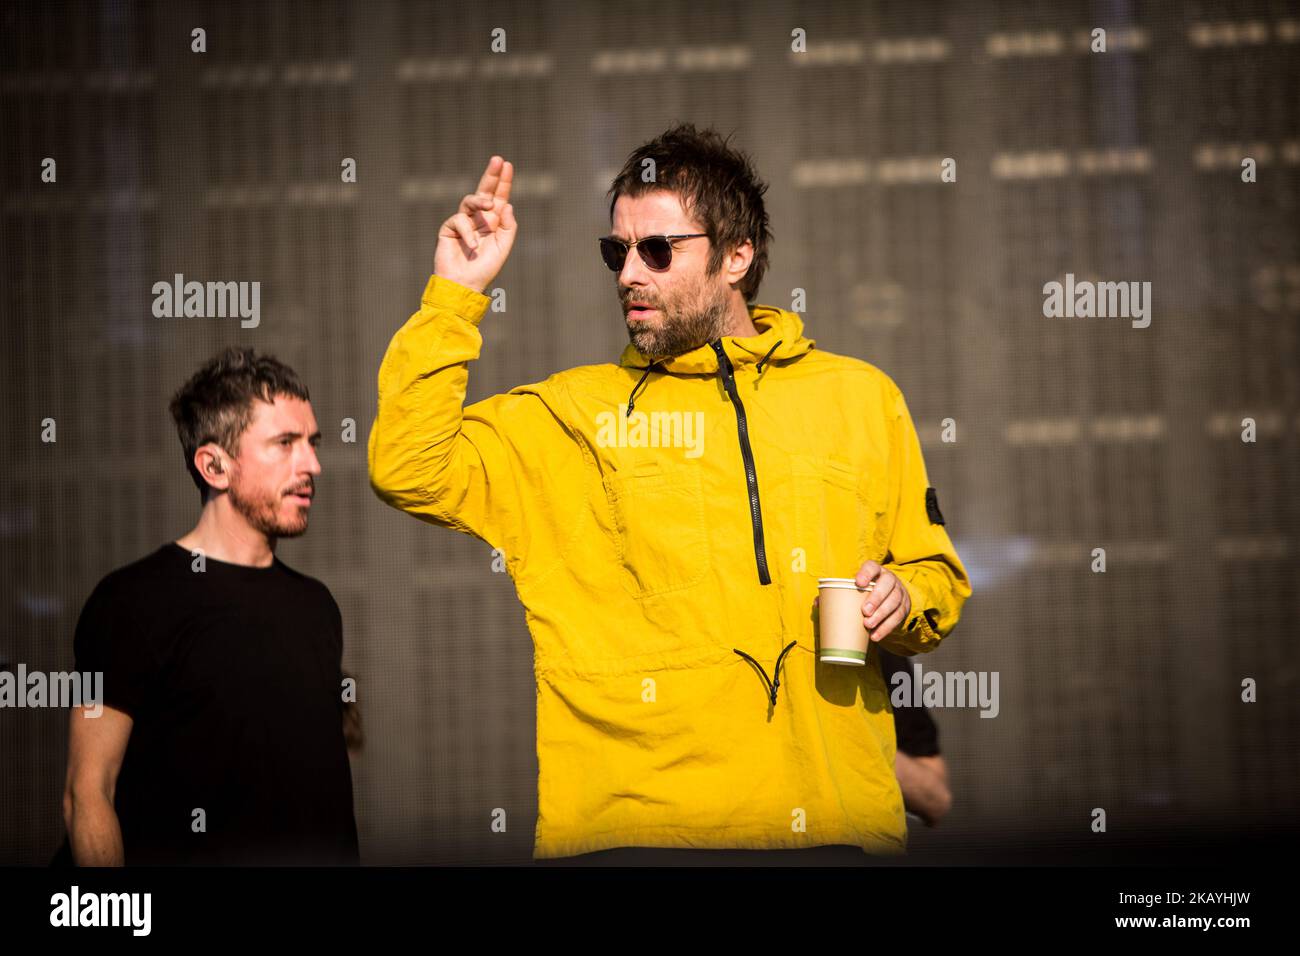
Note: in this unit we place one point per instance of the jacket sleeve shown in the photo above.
(920, 551)
(471, 469)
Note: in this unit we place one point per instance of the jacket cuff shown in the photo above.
(921, 628)
(448, 296)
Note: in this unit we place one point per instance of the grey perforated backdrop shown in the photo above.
(1118, 690)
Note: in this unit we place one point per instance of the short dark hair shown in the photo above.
(216, 404)
(716, 185)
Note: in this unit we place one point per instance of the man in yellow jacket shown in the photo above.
(665, 521)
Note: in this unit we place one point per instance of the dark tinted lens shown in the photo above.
(613, 253)
(657, 252)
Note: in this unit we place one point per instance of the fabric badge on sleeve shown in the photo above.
(932, 506)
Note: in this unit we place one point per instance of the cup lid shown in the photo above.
(848, 583)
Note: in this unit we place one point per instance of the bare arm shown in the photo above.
(96, 746)
(924, 782)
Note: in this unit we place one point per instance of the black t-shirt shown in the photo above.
(914, 728)
(233, 679)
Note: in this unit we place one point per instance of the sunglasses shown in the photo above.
(656, 251)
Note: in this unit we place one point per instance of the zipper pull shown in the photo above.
(724, 362)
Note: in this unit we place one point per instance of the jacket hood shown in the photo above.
(780, 336)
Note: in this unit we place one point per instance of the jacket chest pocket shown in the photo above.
(659, 526)
(838, 520)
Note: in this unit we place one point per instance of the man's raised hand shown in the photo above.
(474, 243)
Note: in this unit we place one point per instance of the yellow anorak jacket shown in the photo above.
(657, 519)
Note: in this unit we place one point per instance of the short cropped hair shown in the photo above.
(216, 404)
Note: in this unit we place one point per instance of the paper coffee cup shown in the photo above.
(844, 638)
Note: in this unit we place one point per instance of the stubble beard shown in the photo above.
(683, 328)
(262, 512)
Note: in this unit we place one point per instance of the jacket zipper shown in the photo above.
(747, 453)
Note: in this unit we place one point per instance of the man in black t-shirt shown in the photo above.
(221, 737)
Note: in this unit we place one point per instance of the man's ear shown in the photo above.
(738, 263)
(211, 462)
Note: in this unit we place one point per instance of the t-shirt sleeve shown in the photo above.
(108, 641)
(336, 627)
(916, 732)
(335, 662)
